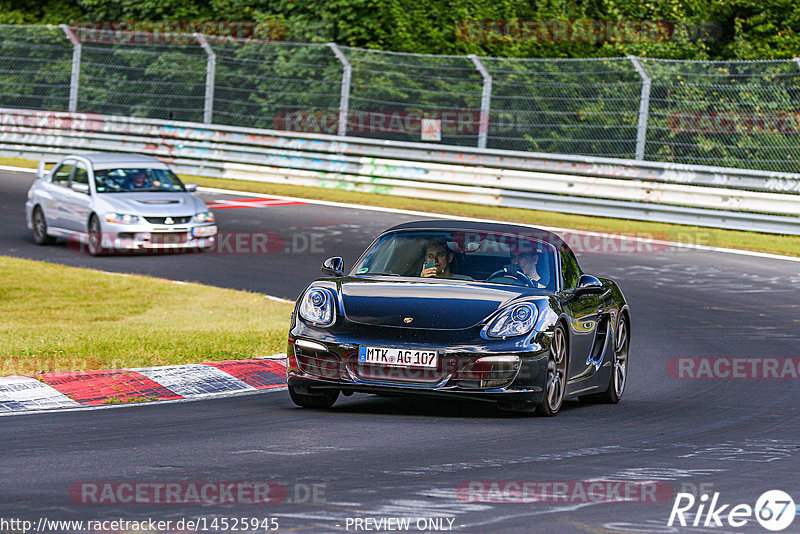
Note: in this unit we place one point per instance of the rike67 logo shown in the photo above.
(774, 510)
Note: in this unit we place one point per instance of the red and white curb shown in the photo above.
(73, 389)
(256, 202)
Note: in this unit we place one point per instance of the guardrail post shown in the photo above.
(74, 80)
(644, 107)
(211, 71)
(797, 60)
(486, 99)
(344, 100)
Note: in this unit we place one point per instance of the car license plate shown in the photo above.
(165, 238)
(398, 357)
(204, 231)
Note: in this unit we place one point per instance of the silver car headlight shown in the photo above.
(122, 218)
(204, 217)
(317, 307)
(514, 321)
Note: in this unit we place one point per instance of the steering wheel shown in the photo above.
(514, 272)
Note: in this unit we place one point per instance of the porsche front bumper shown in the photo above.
(461, 371)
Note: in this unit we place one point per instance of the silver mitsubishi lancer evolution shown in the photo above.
(114, 202)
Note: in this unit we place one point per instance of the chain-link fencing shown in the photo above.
(731, 113)
(567, 106)
(35, 66)
(141, 75)
(738, 113)
(391, 93)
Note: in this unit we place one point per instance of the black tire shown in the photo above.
(322, 399)
(40, 228)
(95, 237)
(523, 410)
(556, 383)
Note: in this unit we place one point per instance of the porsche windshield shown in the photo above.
(459, 255)
(136, 180)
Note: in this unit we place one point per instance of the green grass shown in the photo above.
(126, 400)
(58, 318)
(754, 241)
(18, 162)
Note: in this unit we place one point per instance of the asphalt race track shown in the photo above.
(378, 458)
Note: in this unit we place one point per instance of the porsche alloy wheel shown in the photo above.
(556, 383)
(621, 359)
(619, 373)
(619, 370)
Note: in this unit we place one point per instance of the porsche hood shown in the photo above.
(432, 305)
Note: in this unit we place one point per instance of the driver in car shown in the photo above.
(527, 262)
(137, 180)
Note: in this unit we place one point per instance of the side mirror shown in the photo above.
(80, 188)
(190, 188)
(333, 266)
(40, 172)
(589, 284)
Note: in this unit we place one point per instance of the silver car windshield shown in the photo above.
(136, 180)
(480, 256)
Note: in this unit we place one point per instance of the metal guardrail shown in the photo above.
(696, 195)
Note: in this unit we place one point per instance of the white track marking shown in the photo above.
(194, 379)
(25, 393)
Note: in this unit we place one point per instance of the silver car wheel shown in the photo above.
(40, 228)
(95, 237)
(556, 371)
(621, 358)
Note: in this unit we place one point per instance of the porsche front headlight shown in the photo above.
(514, 321)
(317, 307)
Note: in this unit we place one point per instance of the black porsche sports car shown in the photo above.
(492, 312)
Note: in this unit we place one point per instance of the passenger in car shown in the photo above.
(437, 261)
